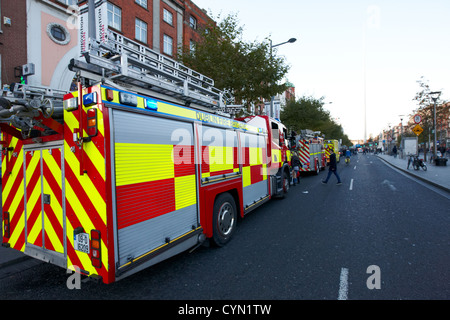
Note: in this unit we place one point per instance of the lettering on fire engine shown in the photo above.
(210, 118)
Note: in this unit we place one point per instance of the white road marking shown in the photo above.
(351, 184)
(390, 185)
(354, 168)
(343, 284)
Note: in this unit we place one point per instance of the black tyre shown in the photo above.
(224, 219)
(286, 182)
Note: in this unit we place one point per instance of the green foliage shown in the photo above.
(308, 113)
(246, 69)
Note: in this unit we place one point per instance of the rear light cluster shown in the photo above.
(6, 228)
(89, 99)
(96, 251)
(92, 128)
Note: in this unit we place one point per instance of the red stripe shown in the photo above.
(256, 173)
(73, 256)
(205, 159)
(98, 140)
(246, 159)
(51, 180)
(20, 241)
(48, 243)
(15, 187)
(33, 215)
(88, 206)
(12, 160)
(95, 177)
(56, 224)
(143, 201)
(184, 161)
(56, 190)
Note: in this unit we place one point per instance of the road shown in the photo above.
(378, 236)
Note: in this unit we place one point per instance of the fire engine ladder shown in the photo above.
(125, 61)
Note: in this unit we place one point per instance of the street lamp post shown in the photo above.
(435, 96)
(291, 40)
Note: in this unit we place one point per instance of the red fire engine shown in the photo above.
(133, 168)
(311, 153)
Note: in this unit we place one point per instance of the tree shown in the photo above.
(308, 113)
(426, 111)
(246, 69)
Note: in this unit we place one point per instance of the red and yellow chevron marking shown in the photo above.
(304, 155)
(85, 194)
(13, 191)
(328, 151)
(45, 225)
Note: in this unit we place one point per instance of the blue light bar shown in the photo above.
(151, 104)
(90, 99)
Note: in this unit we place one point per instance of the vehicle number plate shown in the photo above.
(81, 242)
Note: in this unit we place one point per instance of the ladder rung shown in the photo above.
(128, 61)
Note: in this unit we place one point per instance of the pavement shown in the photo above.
(438, 176)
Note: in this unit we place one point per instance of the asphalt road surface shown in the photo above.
(378, 236)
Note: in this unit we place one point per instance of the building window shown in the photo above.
(168, 17)
(168, 45)
(192, 46)
(141, 31)
(58, 33)
(68, 2)
(114, 17)
(193, 22)
(142, 3)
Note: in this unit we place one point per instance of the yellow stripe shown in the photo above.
(185, 193)
(137, 163)
(18, 166)
(220, 158)
(264, 168)
(256, 156)
(96, 157)
(51, 233)
(35, 230)
(246, 176)
(56, 207)
(86, 182)
(176, 111)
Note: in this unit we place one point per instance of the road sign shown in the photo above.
(418, 119)
(417, 130)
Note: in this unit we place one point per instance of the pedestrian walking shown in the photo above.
(332, 168)
(295, 161)
(394, 151)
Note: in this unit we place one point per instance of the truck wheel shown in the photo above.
(224, 219)
(285, 182)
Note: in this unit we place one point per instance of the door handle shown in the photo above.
(46, 198)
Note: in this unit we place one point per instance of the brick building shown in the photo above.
(163, 25)
(52, 36)
(13, 39)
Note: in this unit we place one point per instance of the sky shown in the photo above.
(364, 57)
